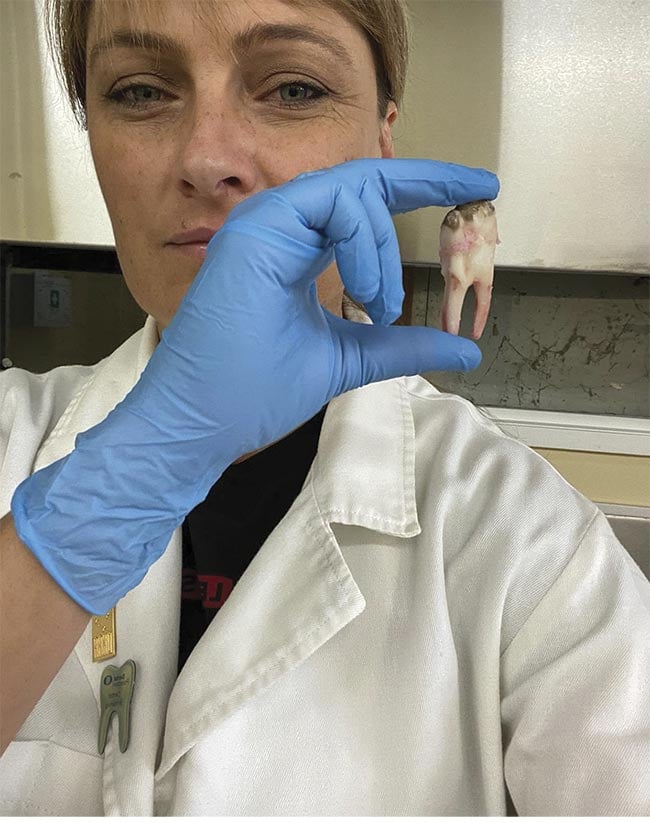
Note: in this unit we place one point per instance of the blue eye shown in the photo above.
(142, 95)
(300, 93)
(123, 95)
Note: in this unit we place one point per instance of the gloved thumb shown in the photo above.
(370, 353)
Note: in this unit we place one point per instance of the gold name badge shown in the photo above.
(104, 636)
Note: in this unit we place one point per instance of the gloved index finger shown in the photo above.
(407, 184)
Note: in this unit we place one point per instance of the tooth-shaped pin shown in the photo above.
(116, 693)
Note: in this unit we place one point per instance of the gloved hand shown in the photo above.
(248, 357)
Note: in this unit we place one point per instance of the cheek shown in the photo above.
(125, 184)
(129, 165)
(131, 191)
(296, 153)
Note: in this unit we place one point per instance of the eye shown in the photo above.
(300, 93)
(136, 95)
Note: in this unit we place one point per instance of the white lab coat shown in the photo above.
(439, 614)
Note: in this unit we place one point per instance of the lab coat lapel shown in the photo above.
(298, 591)
(366, 460)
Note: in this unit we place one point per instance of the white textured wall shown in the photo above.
(49, 190)
(80, 215)
(553, 95)
(569, 98)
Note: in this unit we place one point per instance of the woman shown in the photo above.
(400, 640)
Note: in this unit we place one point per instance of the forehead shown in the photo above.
(227, 23)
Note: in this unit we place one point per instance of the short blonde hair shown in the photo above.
(384, 22)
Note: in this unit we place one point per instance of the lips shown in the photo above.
(201, 234)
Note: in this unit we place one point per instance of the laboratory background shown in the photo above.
(552, 95)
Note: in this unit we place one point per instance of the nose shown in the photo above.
(218, 152)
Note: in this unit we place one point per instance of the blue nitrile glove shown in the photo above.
(248, 357)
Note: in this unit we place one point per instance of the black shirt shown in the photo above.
(224, 532)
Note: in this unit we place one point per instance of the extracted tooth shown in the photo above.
(468, 238)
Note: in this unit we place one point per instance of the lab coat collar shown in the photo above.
(364, 472)
(110, 382)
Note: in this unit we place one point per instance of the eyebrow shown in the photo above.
(253, 37)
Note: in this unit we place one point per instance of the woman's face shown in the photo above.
(259, 93)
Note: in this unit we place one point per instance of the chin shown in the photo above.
(164, 303)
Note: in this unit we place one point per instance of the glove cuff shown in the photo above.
(97, 519)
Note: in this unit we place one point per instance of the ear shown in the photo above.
(385, 134)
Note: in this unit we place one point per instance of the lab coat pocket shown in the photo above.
(41, 778)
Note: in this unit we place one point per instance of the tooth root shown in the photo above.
(483, 292)
(452, 303)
